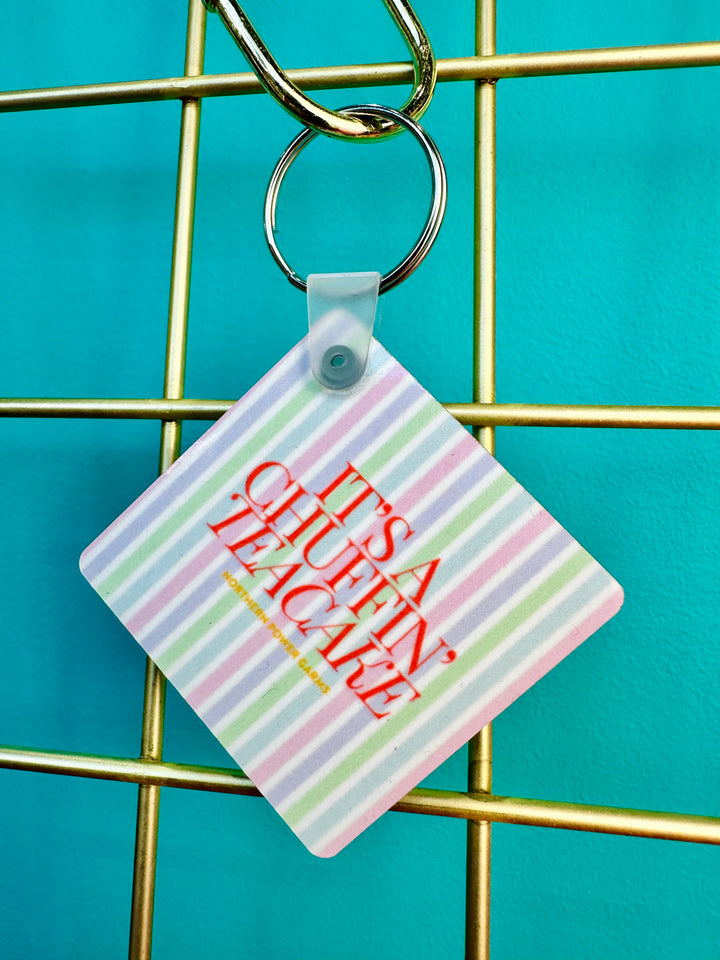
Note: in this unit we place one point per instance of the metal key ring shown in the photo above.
(434, 218)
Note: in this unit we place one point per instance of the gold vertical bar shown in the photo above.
(477, 919)
(485, 193)
(143, 890)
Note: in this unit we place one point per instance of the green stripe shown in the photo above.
(463, 520)
(156, 540)
(399, 439)
(288, 680)
(196, 631)
(465, 662)
(390, 449)
(482, 503)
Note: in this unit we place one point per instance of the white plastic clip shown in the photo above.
(341, 313)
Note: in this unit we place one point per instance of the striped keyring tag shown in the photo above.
(345, 586)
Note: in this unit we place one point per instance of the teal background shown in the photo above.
(608, 233)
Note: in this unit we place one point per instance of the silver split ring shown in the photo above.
(434, 217)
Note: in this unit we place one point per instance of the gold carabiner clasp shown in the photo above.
(312, 114)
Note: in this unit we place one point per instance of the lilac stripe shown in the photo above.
(450, 462)
(134, 592)
(459, 488)
(255, 639)
(186, 471)
(245, 686)
(369, 403)
(503, 592)
(533, 527)
(184, 613)
(513, 546)
(471, 623)
(275, 656)
(464, 482)
(185, 676)
(572, 639)
(312, 765)
(383, 415)
(194, 568)
(284, 720)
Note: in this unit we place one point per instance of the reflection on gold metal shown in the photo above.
(478, 806)
(585, 415)
(502, 67)
(144, 772)
(566, 816)
(148, 810)
(569, 62)
(471, 414)
(120, 409)
(479, 845)
(143, 888)
(312, 114)
(689, 828)
(477, 880)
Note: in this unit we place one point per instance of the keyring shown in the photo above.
(434, 218)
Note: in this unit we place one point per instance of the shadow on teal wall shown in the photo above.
(607, 290)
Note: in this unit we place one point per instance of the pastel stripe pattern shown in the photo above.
(345, 587)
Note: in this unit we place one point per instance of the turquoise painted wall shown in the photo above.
(608, 234)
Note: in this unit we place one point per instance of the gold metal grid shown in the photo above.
(478, 805)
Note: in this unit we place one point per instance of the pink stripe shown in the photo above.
(572, 640)
(194, 568)
(232, 663)
(304, 734)
(499, 559)
(443, 470)
(343, 702)
(494, 563)
(220, 675)
(537, 669)
(364, 405)
(220, 426)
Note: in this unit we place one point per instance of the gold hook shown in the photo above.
(312, 114)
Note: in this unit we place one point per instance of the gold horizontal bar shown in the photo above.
(444, 803)
(119, 409)
(565, 816)
(471, 414)
(585, 415)
(501, 67)
(555, 63)
(145, 772)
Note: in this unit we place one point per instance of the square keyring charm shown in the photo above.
(345, 586)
